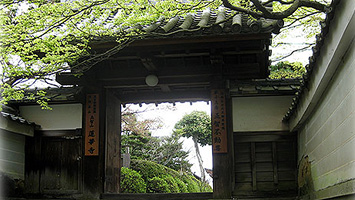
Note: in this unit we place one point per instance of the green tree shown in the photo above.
(167, 151)
(287, 70)
(136, 134)
(40, 38)
(196, 125)
(170, 153)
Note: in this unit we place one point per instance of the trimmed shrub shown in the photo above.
(175, 181)
(173, 186)
(157, 185)
(132, 181)
(182, 186)
(191, 183)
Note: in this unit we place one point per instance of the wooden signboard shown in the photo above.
(92, 125)
(219, 122)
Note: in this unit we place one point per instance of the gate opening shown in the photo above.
(157, 157)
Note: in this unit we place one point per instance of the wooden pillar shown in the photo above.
(223, 170)
(33, 164)
(93, 165)
(112, 143)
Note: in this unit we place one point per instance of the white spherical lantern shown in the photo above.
(151, 80)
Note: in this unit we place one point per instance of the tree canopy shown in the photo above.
(196, 125)
(287, 70)
(167, 151)
(40, 38)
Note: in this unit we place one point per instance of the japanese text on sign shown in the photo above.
(219, 123)
(92, 125)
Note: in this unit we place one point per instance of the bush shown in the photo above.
(182, 186)
(191, 183)
(161, 179)
(157, 185)
(148, 169)
(173, 186)
(132, 181)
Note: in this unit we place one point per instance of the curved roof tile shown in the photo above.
(16, 118)
(222, 21)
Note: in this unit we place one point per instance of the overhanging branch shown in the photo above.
(294, 51)
(262, 11)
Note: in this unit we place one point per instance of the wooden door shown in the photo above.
(265, 164)
(61, 159)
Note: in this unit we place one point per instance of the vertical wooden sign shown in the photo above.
(219, 122)
(92, 125)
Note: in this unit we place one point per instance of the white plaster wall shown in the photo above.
(328, 134)
(264, 113)
(12, 154)
(61, 117)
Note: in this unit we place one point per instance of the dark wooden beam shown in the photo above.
(274, 163)
(253, 165)
(167, 196)
(163, 81)
(186, 40)
(112, 143)
(191, 54)
(165, 87)
(181, 47)
(149, 65)
(160, 96)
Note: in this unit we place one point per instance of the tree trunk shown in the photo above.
(199, 158)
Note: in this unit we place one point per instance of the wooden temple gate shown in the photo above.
(204, 65)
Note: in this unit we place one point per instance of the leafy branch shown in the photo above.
(308, 46)
(263, 12)
(50, 37)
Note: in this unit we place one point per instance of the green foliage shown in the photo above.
(160, 178)
(287, 70)
(150, 169)
(191, 183)
(41, 38)
(173, 186)
(197, 125)
(136, 135)
(132, 181)
(156, 161)
(170, 153)
(181, 185)
(167, 151)
(139, 145)
(158, 185)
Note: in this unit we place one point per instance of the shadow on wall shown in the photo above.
(11, 187)
(305, 181)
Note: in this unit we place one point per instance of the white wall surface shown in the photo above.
(328, 136)
(263, 113)
(12, 154)
(61, 117)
